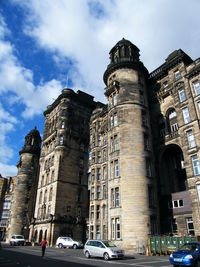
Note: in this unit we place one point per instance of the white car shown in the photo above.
(17, 240)
(103, 249)
(64, 242)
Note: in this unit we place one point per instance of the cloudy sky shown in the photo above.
(47, 45)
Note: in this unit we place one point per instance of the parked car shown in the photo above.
(64, 242)
(102, 248)
(17, 240)
(187, 255)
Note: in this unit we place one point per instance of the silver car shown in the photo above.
(64, 242)
(102, 248)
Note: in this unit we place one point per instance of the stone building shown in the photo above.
(138, 155)
(175, 112)
(144, 146)
(6, 191)
(62, 194)
(23, 197)
(122, 181)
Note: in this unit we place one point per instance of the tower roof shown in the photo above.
(124, 55)
(32, 142)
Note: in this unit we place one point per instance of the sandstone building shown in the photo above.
(62, 193)
(23, 197)
(138, 155)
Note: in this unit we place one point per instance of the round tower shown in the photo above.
(130, 180)
(22, 205)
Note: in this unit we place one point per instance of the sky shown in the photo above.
(48, 45)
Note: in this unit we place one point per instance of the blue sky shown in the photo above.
(46, 45)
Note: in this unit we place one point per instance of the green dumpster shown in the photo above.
(181, 241)
(152, 245)
(163, 241)
(158, 247)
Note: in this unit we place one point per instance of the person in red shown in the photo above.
(43, 244)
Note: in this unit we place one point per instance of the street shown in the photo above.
(31, 257)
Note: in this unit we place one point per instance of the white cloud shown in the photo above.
(8, 170)
(85, 31)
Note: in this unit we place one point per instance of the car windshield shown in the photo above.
(109, 244)
(19, 237)
(189, 246)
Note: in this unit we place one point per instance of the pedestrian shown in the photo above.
(43, 244)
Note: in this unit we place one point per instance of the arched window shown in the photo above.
(172, 121)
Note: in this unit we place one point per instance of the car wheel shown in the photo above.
(74, 246)
(106, 256)
(60, 245)
(87, 254)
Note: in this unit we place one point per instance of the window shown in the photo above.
(99, 140)
(61, 140)
(116, 142)
(52, 161)
(196, 86)
(118, 229)
(195, 164)
(82, 147)
(111, 170)
(104, 192)
(104, 232)
(91, 232)
(62, 125)
(81, 163)
(98, 192)
(40, 198)
(45, 196)
(144, 118)
(98, 174)
(151, 196)
(148, 166)
(190, 226)
(115, 119)
(92, 212)
(111, 145)
(181, 93)
(98, 232)
(146, 142)
(115, 228)
(177, 203)
(198, 191)
(112, 198)
(98, 212)
(114, 99)
(186, 115)
(52, 176)
(50, 194)
(116, 168)
(92, 193)
(115, 197)
(111, 122)
(89, 153)
(191, 140)
(177, 75)
(99, 157)
(104, 211)
(104, 173)
(93, 157)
